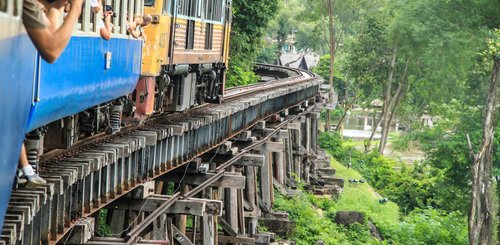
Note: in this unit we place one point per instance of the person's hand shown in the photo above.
(108, 14)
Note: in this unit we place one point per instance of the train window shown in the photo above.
(190, 34)
(192, 8)
(184, 7)
(209, 9)
(209, 33)
(165, 6)
(3, 6)
(149, 3)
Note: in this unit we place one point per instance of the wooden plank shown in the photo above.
(226, 181)
(274, 146)
(190, 206)
(256, 160)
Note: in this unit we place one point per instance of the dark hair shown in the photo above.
(108, 8)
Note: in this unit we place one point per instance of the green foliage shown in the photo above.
(429, 226)
(250, 22)
(335, 115)
(410, 189)
(313, 217)
(363, 198)
(414, 190)
(268, 54)
(104, 229)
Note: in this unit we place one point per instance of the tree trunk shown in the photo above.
(482, 210)
(395, 100)
(387, 94)
(340, 124)
(332, 61)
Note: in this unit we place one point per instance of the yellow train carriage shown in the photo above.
(185, 54)
(198, 31)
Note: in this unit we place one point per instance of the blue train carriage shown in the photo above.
(75, 97)
(17, 69)
(84, 91)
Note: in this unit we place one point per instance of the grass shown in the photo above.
(363, 198)
(313, 215)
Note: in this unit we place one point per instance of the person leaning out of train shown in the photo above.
(105, 26)
(135, 28)
(50, 38)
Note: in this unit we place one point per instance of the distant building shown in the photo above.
(302, 60)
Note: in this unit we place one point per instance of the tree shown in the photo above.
(250, 22)
(331, 32)
(482, 209)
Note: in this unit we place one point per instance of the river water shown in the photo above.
(358, 127)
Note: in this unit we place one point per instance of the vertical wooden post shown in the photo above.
(280, 159)
(265, 180)
(208, 222)
(250, 196)
(208, 230)
(241, 213)
(231, 205)
(314, 134)
(183, 218)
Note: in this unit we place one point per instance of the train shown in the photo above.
(96, 86)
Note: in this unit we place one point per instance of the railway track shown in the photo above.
(100, 170)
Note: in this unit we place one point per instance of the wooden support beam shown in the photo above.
(292, 125)
(208, 230)
(190, 206)
(231, 206)
(274, 146)
(230, 239)
(251, 160)
(226, 227)
(81, 232)
(266, 182)
(226, 181)
(144, 190)
(121, 241)
(180, 237)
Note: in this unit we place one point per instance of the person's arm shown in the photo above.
(51, 44)
(52, 17)
(131, 28)
(98, 7)
(106, 31)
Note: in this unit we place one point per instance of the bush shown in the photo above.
(429, 226)
(313, 217)
(410, 189)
